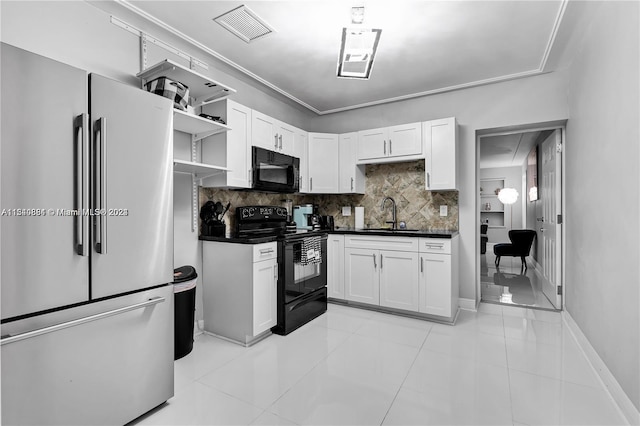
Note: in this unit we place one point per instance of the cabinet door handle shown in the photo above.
(310, 184)
(428, 180)
(266, 251)
(275, 274)
(280, 139)
(352, 184)
(375, 265)
(249, 176)
(385, 147)
(380, 260)
(389, 146)
(421, 264)
(276, 139)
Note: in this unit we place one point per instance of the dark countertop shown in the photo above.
(257, 240)
(433, 233)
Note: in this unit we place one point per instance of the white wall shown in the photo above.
(526, 101)
(512, 214)
(603, 195)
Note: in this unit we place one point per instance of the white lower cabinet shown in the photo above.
(335, 266)
(265, 281)
(239, 302)
(362, 278)
(438, 277)
(399, 280)
(412, 274)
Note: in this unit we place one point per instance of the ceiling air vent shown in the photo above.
(244, 23)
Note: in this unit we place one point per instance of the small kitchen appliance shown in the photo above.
(302, 215)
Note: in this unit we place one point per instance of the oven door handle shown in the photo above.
(303, 300)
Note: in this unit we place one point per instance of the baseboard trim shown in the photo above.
(626, 407)
(467, 304)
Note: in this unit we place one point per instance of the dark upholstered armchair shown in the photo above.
(521, 241)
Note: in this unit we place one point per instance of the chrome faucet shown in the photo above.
(393, 221)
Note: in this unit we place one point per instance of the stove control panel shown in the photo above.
(261, 213)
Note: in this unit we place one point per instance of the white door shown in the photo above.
(335, 266)
(440, 154)
(405, 139)
(399, 280)
(347, 159)
(372, 143)
(361, 275)
(323, 163)
(263, 132)
(435, 284)
(265, 281)
(549, 230)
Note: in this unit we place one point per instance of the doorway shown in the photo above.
(525, 163)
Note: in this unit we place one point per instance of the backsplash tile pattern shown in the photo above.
(404, 182)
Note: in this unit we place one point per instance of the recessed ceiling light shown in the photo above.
(244, 23)
(357, 52)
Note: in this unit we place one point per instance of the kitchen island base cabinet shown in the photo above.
(239, 301)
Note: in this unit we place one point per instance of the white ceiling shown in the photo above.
(426, 46)
(509, 150)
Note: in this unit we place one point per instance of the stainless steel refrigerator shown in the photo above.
(86, 245)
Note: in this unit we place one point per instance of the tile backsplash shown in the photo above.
(404, 182)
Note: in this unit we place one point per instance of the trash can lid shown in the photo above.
(184, 273)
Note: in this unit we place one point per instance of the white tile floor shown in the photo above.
(500, 365)
(511, 284)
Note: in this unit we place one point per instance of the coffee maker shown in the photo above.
(302, 216)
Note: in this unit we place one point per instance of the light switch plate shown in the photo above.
(346, 211)
(444, 211)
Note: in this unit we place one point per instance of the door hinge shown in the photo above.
(559, 290)
(559, 148)
(559, 221)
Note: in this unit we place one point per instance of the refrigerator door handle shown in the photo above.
(101, 196)
(79, 321)
(81, 122)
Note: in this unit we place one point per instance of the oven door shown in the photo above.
(298, 277)
(275, 172)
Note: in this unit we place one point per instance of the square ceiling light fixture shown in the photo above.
(357, 52)
(244, 23)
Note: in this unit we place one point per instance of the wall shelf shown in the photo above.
(199, 127)
(201, 88)
(198, 170)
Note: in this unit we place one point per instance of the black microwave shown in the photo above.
(274, 172)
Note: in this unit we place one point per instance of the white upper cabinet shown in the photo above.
(300, 147)
(323, 163)
(232, 149)
(351, 175)
(389, 144)
(441, 154)
(271, 134)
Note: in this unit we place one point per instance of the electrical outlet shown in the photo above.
(346, 211)
(444, 211)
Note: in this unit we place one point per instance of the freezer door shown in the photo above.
(44, 159)
(105, 363)
(133, 188)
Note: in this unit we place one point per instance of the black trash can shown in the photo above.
(184, 288)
